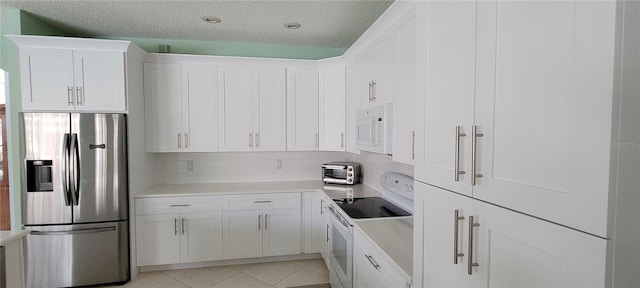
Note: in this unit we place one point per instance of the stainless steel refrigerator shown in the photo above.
(74, 199)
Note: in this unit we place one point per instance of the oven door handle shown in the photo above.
(339, 223)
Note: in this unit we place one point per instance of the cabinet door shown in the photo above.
(515, 250)
(157, 239)
(302, 110)
(365, 275)
(369, 74)
(446, 57)
(163, 107)
(312, 213)
(47, 79)
(242, 234)
(384, 61)
(200, 112)
(99, 80)
(270, 109)
(235, 109)
(544, 105)
(282, 232)
(354, 93)
(435, 238)
(201, 237)
(405, 93)
(332, 109)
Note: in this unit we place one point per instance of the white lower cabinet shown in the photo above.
(489, 246)
(192, 234)
(312, 213)
(259, 225)
(371, 267)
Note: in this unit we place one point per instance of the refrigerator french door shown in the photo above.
(74, 199)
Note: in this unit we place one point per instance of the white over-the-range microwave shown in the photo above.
(374, 129)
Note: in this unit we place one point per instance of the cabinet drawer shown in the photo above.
(261, 201)
(164, 205)
(386, 268)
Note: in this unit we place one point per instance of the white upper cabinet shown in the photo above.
(235, 93)
(270, 109)
(252, 109)
(302, 110)
(539, 97)
(332, 108)
(377, 73)
(57, 79)
(404, 92)
(163, 107)
(181, 107)
(354, 92)
(200, 108)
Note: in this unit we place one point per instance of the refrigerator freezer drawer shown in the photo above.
(77, 255)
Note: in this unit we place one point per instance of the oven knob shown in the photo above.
(350, 169)
(406, 187)
(350, 174)
(410, 188)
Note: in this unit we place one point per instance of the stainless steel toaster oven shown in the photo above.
(341, 173)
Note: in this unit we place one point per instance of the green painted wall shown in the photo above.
(237, 49)
(16, 22)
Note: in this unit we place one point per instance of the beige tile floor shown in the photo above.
(262, 275)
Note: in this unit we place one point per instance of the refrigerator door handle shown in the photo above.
(72, 232)
(75, 172)
(65, 169)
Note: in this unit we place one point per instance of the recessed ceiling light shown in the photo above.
(211, 19)
(292, 25)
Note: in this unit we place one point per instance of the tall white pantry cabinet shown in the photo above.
(527, 151)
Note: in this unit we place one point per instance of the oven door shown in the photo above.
(341, 253)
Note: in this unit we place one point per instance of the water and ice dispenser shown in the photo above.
(39, 175)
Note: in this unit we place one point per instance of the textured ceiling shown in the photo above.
(324, 23)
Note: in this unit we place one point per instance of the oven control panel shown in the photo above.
(397, 183)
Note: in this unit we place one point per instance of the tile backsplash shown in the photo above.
(177, 168)
(225, 167)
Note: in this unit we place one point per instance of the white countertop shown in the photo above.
(9, 236)
(394, 237)
(181, 190)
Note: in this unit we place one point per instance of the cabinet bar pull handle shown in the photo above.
(413, 145)
(327, 232)
(457, 155)
(456, 219)
(257, 139)
(373, 91)
(182, 226)
(263, 201)
(259, 221)
(70, 95)
(266, 217)
(250, 139)
(470, 262)
(179, 140)
(186, 140)
(321, 204)
(79, 95)
(342, 140)
(373, 262)
(474, 144)
(179, 205)
(370, 92)
(175, 226)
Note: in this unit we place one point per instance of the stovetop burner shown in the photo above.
(369, 207)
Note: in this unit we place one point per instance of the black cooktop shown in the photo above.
(370, 207)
